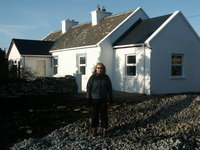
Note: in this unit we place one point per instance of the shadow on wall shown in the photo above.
(78, 78)
(132, 84)
(118, 78)
(106, 56)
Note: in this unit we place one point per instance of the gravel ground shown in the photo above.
(154, 122)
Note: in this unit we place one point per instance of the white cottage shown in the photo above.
(158, 55)
(142, 55)
(80, 47)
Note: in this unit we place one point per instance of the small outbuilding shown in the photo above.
(31, 54)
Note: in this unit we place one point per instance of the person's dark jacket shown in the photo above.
(99, 87)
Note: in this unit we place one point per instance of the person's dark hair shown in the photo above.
(103, 67)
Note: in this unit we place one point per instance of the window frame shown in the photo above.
(79, 64)
(178, 65)
(130, 65)
(55, 66)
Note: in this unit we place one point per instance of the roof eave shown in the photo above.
(129, 46)
(27, 55)
(73, 48)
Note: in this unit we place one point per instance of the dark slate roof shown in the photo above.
(141, 31)
(86, 34)
(33, 47)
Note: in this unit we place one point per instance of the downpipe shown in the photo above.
(144, 67)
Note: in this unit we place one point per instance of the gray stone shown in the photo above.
(152, 124)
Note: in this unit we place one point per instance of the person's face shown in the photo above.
(99, 69)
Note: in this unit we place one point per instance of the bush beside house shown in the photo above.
(3, 66)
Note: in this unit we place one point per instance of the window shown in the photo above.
(55, 65)
(177, 65)
(131, 65)
(82, 64)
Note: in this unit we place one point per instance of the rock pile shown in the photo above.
(40, 86)
(167, 122)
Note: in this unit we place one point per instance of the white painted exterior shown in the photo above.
(107, 53)
(40, 65)
(102, 52)
(140, 83)
(175, 37)
(14, 54)
(68, 62)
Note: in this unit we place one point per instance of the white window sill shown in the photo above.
(130, 77)
(177, 77)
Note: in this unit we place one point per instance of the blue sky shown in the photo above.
(34, 19)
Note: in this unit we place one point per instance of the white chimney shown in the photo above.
(68, 24)
(98, 14)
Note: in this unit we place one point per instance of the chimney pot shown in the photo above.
(98, 8)
(103, 9)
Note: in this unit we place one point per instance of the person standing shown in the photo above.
(99, 94)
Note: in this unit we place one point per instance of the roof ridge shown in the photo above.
(157, 17)
(114, 15)
(140, 31)
(81, 24)
(59, 30)
(122, 13)
(85, 34)
(30, 40)
(56, 31)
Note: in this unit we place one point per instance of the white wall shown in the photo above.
(132, 84)
(176, 37)
(67, 62)
(14, 54)
(107, 52)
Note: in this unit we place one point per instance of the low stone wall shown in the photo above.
(39, 87)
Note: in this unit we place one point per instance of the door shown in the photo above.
(41, 68)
